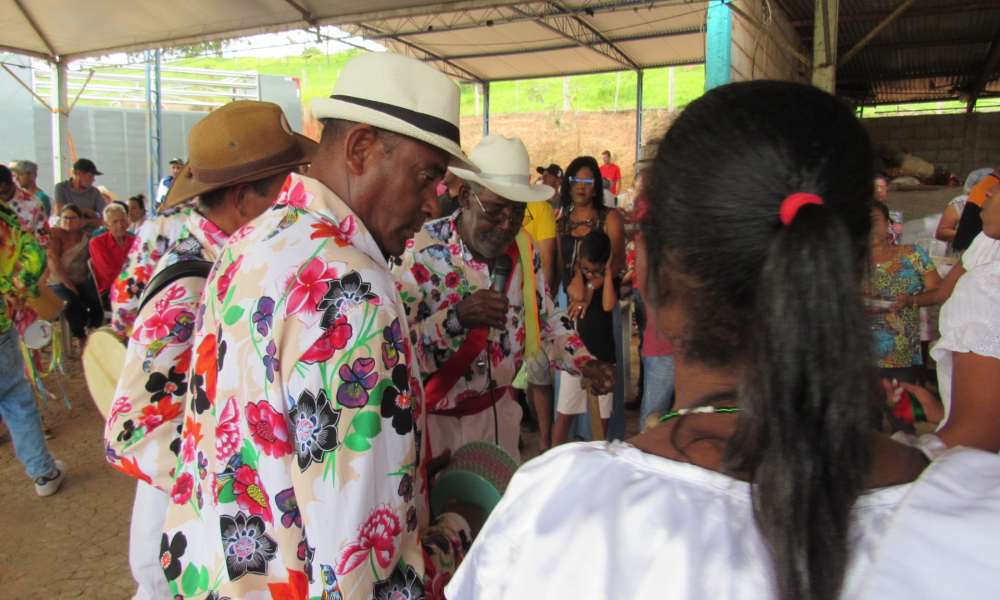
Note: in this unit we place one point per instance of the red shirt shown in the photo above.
(614, 174)
(108, 258)
(653, 344)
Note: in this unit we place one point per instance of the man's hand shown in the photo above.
(603, 376)
(484, 308)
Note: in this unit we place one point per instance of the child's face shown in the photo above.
(592, 271)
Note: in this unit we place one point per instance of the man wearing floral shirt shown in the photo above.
(445, 280)
(29, 209)
(303, 464)
(142, 431)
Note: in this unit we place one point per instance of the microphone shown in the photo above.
(501, 273)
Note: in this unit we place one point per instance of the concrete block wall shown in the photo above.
(756, 56)
(958, 142)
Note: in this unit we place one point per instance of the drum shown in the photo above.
(103, 359)
(477, 474)
(47, 304)
(37, 335)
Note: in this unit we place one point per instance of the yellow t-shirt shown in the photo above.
(540, 221)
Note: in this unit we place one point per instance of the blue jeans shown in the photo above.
(658, 389)
(19, 411)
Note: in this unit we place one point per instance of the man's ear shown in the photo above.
(464, 196)
(241, 195)
(359, 144)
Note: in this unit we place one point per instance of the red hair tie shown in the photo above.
(791, 205)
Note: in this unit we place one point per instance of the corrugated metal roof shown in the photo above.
(935, 50)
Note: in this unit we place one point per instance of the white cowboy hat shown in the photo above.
(399, 94)
(503, 169)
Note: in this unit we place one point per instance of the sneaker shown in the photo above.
(47, 431)
(46, 485)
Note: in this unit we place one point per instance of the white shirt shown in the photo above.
(970, 319)
(981, 251)
(608, 521)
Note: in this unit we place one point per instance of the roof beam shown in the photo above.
(457, 71)
(637, 38)
(919, 12)
(34, 27)
(575, 35)
(306, 15)
(909, 77)
(30, 53)
(611, 45)
(987, 73)
(984, 39)
(874, 32)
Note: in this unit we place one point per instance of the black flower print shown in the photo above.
(401, 585)
(164, 386)
(397, 403)
(128, 428)
(171, 552)
(314, 424)
(246, 547)
(342, 296)
(199, 399)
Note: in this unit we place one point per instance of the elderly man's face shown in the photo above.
(489, 221)
(25, 180)
(406, 182)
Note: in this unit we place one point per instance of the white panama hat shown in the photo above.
(399, 94)
(503, 169)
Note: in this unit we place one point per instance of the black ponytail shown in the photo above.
(780, 303)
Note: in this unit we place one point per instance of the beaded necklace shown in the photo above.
(697, 410)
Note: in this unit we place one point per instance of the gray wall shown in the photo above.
(960, 143)
(114, 138)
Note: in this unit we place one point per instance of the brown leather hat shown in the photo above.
(245, 140)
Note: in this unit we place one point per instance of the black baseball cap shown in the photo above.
(553, 169)
(85, 165)
(176, 161)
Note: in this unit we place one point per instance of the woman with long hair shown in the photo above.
(766, 480)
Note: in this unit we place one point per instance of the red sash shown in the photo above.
(474, 406)
(445, 378)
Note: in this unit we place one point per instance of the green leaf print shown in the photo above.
(232, 315)
(367, 423)
(190, 579)
(357, 442)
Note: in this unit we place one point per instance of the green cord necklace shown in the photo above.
(697, 410)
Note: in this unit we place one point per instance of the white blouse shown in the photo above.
(970, 322)
(608, 521)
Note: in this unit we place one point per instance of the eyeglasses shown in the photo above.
(591, 274)
(500, 215)
(573, 180)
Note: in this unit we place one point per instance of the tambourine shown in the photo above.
(477, 474)
(103, 359)
(37, 335)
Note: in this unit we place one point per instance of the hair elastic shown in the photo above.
(791, 205)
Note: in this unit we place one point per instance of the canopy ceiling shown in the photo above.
(472, 40)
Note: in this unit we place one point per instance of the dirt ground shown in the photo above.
(75, 544)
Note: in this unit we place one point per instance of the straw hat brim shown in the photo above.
(185, 186)
(330, 108)
(515, 192)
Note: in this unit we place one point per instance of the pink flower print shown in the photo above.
(159, 324)
(121, 406)
(420, 273)
(223, 283)
(250, 494)
(307, 285)
(452, 279)
(454, 299)
(294, 193)
(183, 487)
(241, 233)
(455, 249)
(227, 433)
(269, 429)
(379, 534)
(411, 244)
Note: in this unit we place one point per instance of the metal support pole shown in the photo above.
(718, 44)
(486, 108)
(824, 75)
(638, 113)
(154, 121)
(60, 124)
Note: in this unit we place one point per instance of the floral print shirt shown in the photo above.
(31, 211)
(142, 433)
(152, 241)
(302, 468)
(435, 273)
(897, 334)
(22, 263)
